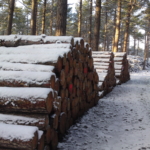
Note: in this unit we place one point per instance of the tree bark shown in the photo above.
(97, 25)
(33, 17)
(117, 28)
(127, 26)
(105, 32)
(61, 18)
(15, 142)
(43, 18)
(19, 103)
(41, 121)
(80, 19)
(10, 16)
(51, 19)
(90, 24)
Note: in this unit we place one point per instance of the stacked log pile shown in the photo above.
(104, 65)
(121, 67)
(44, 86)
(18, 40)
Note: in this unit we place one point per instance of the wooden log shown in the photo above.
(49, 134)
(62, 122)
(57, 104)
(64, 105)
(18, 137)
(66, 68)
(47, 147)
(41, 121)
(9, 41)
(54, 120)
(44, 59)
(80, 41)
(57, 85)
(74, 102)
(59, 39)
(30, 39)
(39, 100)
(74, 112)
(54, 141)
(62, 78)
(25, 67)
(48, 46)
(40, 140)
(27, 79)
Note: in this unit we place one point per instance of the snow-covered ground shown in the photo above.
(120, 121)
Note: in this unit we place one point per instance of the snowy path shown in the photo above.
(121, 120)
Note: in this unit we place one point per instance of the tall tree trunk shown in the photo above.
(90, 23)
(117, 29)
(61, 17)
(134, 47)
(114, 26)
(105, 32)
(138, 47)
(51, 18)
(10, 16)
(127, 25)
(146, 51)
(33, 17)
(97, 25)
(80, 19)
(43, 18)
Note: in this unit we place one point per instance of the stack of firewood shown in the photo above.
(44, 86)
(121, 67)
(104, 65)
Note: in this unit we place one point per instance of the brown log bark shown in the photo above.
(74, 102)
(27, 144)
(40, 121)
(62, 78)
(23, 104)
(64, 105)
(27, 79)
(57, 104)
(40, 140)
(62, 122)
(74, 112)
(54, 141)
(54, 120)
(47, 147)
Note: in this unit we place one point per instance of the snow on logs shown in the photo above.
(18, 40)
(104, 65)
(121, 67)
(17, 99)
(18, 137)
(55, 80)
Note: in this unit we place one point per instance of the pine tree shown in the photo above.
(97, 25)
(10, 16)
(61, 17)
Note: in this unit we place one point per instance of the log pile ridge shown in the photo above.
(44, 88)
(104, 65)
(46, 83)
(121, 67)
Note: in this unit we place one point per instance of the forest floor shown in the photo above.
(120, 121)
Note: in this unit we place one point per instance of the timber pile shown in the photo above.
(18, 40)
(121, 67)
(45, 87)
(104, 65)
